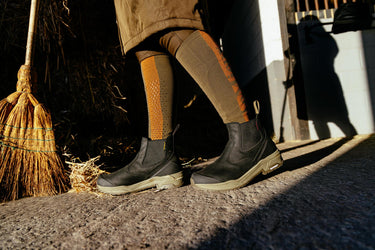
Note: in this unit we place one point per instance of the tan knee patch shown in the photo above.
(202, 58)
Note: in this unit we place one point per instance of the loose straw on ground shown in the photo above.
(83, 175)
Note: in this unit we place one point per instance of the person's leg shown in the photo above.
(157, 77)
(155, 163)
(249, 151)
(203, 60)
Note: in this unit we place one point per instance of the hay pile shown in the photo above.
(83, 175)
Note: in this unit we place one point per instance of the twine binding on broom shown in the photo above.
(29, 163)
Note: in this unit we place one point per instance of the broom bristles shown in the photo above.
(5, 108)
(29, 163)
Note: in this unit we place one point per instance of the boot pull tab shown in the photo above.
(257, 110)
(175, 129)
(173, 133)
(256, 107)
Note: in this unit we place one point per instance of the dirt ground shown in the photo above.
(322, 198)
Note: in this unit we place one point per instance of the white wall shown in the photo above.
(254, 41)
(354, 66)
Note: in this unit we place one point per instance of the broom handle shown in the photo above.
(31, 31)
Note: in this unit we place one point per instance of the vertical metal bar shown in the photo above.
(307, 5)
(316, 5)
(326, 4)
(336, 4)
(298, 6)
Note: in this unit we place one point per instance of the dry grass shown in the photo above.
(29, 161)
(83, 175)
(80, 69)
(77, 56)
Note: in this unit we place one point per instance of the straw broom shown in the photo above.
(29, 163)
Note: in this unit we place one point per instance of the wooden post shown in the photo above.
(300, 127)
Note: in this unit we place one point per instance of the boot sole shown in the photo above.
(266, 166)
(160, 182)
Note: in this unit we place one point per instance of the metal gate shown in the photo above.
(321, 8)
(307, 5)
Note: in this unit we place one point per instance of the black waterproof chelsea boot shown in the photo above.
(155, 165)
(248, 152)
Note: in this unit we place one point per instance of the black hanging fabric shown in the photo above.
(351, 17)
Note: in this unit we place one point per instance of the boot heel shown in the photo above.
(169, 181)
(273, 162)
